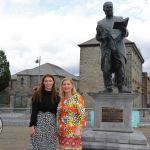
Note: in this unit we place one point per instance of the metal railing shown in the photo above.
(15, 116)
(21, 116)
(143, 111)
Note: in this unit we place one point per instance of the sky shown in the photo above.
(53, 29)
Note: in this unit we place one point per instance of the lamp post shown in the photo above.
(38, 61)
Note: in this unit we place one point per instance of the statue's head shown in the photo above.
(108, 8)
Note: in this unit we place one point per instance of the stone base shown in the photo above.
(105, 140)
(112, 120)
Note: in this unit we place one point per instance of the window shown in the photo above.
(11, 84)
(22, 81)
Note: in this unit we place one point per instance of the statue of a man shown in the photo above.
(113, 52)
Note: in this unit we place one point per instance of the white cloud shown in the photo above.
(24, 2)
(54, 35)
(29, 36)
(139, 34)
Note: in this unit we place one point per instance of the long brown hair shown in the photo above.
(37, 96)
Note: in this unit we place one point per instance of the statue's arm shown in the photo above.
(98, 34)
(101, 33)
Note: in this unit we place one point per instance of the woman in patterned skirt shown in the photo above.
(71, 116)
(42, 127)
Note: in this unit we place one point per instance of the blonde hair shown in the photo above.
(61, 92)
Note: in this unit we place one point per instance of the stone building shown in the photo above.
(22, 83)
(134, 71)
(91, 76)
(146, 90)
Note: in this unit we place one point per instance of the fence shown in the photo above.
(15, 116)
(21, 116)
(143, 111)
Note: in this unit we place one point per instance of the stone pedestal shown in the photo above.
(112, 124)
(113, 112)
(106, 140)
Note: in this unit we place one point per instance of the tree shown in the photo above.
(4, 71)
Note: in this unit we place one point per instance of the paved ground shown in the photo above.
(17, 138)
(14, 138)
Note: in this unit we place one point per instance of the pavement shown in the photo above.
(17, 137)
(14, 138)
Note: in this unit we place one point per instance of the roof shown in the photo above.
(94, 42)
(90, 42)
(14, 77)
(47, 68)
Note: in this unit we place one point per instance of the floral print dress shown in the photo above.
(71, 118)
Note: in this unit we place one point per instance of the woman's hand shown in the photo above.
(124, 31)
(78, 131)
(32, 131)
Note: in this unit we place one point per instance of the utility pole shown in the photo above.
(38, 61)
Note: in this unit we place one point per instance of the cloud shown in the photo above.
(53, 29)
(23, 2)
(53, 37)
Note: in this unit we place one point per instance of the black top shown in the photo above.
(45, 105)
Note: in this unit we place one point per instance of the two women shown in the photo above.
(70, 115)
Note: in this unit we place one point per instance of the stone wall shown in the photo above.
(91, 78)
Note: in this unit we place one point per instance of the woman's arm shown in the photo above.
(33, 118)
(81, 111)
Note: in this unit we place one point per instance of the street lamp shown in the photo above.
(38, 61)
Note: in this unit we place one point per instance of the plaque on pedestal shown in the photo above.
(112, 114)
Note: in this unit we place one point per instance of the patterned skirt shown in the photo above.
(45, 137)
(69, 143)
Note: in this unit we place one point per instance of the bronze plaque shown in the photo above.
(112, 114)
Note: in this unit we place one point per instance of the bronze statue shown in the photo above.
(110, 32)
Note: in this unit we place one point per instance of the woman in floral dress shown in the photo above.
(71, 116)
